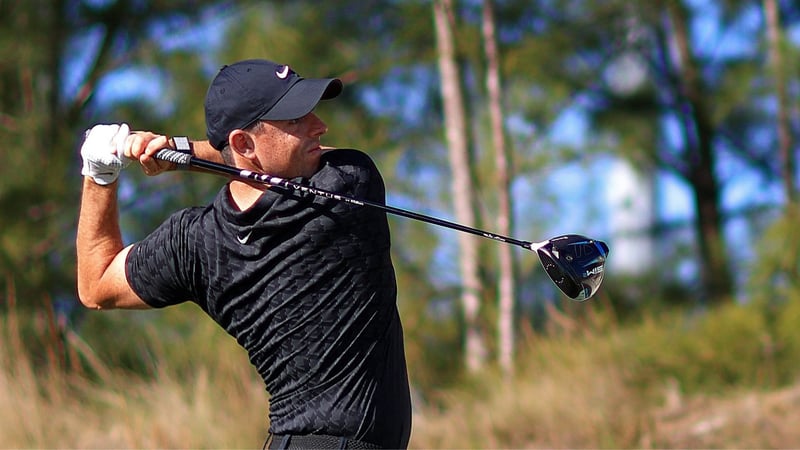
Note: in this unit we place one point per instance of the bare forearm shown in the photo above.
(99, 239)
(102, 282)
(204, 150)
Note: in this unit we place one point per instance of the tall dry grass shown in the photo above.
(580, 388)
(591, 390)
(569, 395)
(220, 404)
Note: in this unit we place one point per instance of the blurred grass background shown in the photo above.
(724, 378)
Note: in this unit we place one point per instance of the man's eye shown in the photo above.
(295, 121)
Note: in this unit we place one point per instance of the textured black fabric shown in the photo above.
(314, 441)
(306, 285)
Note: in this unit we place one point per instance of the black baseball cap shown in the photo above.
(257, 89)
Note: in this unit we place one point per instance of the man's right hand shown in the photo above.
(143, 145)
(102, 153)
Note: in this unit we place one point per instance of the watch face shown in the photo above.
(182, 143)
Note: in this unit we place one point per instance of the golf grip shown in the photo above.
(188, 160)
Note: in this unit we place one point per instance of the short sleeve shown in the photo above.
(159, 268)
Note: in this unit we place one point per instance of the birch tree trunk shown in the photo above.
(461, 182)
(505, 298)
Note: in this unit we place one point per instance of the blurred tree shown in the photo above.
(33, 172)
(671, 100)
(506, 280)
(776, 49)
(698, 159)
(461, 164)
(48, 47)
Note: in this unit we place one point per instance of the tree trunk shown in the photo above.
(463, 192)
(698, 134)
(775, 41)
(505, 310)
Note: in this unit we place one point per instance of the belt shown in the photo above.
(316, 441)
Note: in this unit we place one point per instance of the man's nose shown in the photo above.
(318, 126)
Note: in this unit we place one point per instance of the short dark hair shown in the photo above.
(227, 153)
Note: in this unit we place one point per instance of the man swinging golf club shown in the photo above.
(304, 283)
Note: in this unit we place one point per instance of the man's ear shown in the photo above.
(242, 144)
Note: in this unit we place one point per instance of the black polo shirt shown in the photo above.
(306, 285)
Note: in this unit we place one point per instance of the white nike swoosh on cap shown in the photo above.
(283, 73)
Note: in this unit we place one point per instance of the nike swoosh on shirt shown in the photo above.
(243, 240)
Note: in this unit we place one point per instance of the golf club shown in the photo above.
(574, 262)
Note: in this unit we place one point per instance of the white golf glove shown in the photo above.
(102, 153)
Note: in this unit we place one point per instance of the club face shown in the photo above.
(575, 263)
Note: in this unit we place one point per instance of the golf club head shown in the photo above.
(575, 263)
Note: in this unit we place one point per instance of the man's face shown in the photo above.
(291, 148)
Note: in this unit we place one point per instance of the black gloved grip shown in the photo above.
(174, 156)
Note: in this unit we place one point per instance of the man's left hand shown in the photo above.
(102, 154)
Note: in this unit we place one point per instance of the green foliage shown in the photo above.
(786, 340)
(734, 345)
(33, 172)
(633, 297)
(46, 102)
(774, 285)
(775, 272)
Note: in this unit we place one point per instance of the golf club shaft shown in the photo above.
(186, 159)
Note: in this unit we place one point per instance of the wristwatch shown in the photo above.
(182, 144)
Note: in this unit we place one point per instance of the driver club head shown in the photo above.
(575, 263)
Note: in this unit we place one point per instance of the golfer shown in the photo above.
(304, 283)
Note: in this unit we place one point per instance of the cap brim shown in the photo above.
(303, 97)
